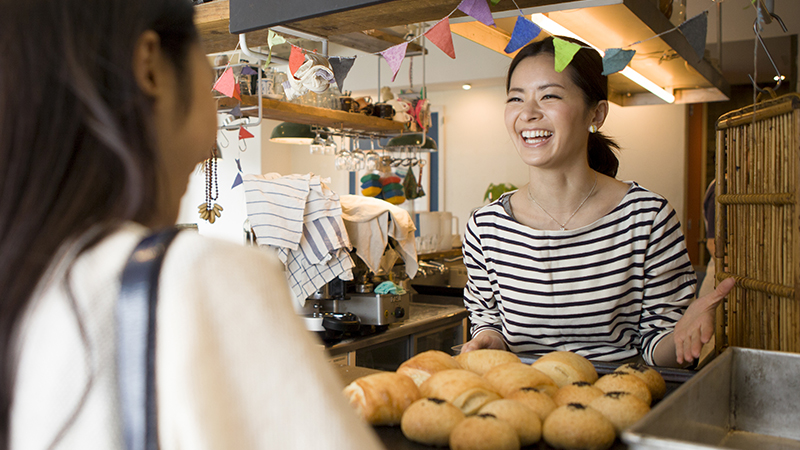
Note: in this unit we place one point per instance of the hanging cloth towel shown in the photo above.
(276, 206)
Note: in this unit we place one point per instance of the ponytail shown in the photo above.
(602, 154)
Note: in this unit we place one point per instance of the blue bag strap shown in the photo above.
(136, 340)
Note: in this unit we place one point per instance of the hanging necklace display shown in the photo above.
(209, 210)
(564, 225)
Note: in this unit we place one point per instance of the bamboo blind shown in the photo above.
(757, 226)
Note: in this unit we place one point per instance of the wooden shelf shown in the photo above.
(311, 115)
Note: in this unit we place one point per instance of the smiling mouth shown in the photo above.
(535, 136)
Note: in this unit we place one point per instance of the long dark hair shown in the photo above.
(77, 144)
(586, 71)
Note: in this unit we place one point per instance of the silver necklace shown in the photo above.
(564, 225)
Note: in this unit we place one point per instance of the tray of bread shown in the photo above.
(493, 399)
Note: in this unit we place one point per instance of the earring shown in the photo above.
(592, 129)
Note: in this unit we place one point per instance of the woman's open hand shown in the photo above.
(696, 326)
(485, 339)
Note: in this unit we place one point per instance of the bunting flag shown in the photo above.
(236, 112)
(341, 67)
(616, 59)
(524, 32)
(494, 2)
(274, 39)
(394, 56)
(440, 35)
(247, 70)
(237, 181)
(239, 164)
(479, 10)
(244, 134)
(565, 51)
(237, 92)
(695, 30)
(225, 83)
(296, 59)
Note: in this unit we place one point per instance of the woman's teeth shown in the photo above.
(534, 136)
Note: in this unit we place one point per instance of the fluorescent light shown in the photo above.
(554, 28)
(466, 86)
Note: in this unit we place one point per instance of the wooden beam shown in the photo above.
(490, 37)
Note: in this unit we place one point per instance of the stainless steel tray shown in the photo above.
(744, 399)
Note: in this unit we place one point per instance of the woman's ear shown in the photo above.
(148, 63)
(600, 114)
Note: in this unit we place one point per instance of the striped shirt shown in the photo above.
(608, 291)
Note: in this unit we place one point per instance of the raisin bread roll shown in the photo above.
(511, 377)
(654, 381)
(522, 419)
(566, 368)
(381, 398)
(420, 367)
(575, 426)
(536, 400)
(621, 408)
(481, 361)
(430, 421)
(466, 390)
(625, 382)
(577, 392)
(483, 432)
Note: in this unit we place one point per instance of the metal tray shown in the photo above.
(744, 399)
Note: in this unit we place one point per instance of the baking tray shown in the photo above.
(744, 399)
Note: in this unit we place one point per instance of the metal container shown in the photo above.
(378, 309)
(744, 399)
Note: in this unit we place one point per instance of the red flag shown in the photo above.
(244, 134)
(296, 59)
(440, 35)
(225, 83)
(237, 92)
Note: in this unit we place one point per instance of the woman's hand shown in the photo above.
(485, 339)
(696, 326)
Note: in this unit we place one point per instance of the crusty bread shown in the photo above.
(481, 361)
(483, 432)
(425, 364)
(381, 398)
(578, 392)
(536, 400)
(575, 426)
(621, 408)
(521, 417)
(625, 382)
(511, 377)
(430, 421)
(464, 389)
(654, 381)
(566, 368)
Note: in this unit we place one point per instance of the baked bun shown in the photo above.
(578, 392)
(511, 377)
(522, 419)
(654, 381)
(566, 368)
(430, 421)
(535, 399)
(575, 426)
(483, 432)
(466, 390)
(625, 382)
(425, 364)
(381, 398)
(621, 408)
(480, 361)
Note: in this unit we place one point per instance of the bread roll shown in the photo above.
(536, 400)
(430, 421)
(566, 368)
(511, 377)
(522, 419)
(381, 398)
(621, 408)
(575, 426)
(624, 382)
(483, 432)
(577, 392)
(425, 364)
(466, 390)
(480, 361)
(654, 381)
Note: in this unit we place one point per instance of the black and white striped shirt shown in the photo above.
(608, 291)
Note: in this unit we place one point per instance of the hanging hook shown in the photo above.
(225, 138)
(241, 143)
(764, 46)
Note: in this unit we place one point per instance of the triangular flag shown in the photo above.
(341, 67)
(494, 2)
(440, 35)
(237, 92)
(247, 70)
(478, 9)
(565, 51)
(237, 181)
(616, 59)
(244, 134)
(239, 164)
(695, 30)
(236, 111)
(524, 32)
(394, 56)
(296, 59)
(274, 39)
(225, 83)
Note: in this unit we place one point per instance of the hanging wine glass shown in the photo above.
(373, 157)
(330, 145)
(317, 145)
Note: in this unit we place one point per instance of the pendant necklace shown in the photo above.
(209, 210)
(564, 225)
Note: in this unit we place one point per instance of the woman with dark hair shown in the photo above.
(105, 109)
(577, 260)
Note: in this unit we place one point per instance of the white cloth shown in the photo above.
(275, 207)
(236, 368)
(370, 222)
(314, 75)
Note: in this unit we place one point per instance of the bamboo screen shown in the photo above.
(757, 224)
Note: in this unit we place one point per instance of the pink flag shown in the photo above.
(440, 35)
(478, 9)
(225, 83)
(394, 56)
(296, 59)
(244, 134)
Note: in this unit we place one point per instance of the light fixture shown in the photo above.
(554, 28)
(411, 142)
(292, 133)
(466, 86)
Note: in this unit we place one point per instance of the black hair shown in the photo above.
(586, 71)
